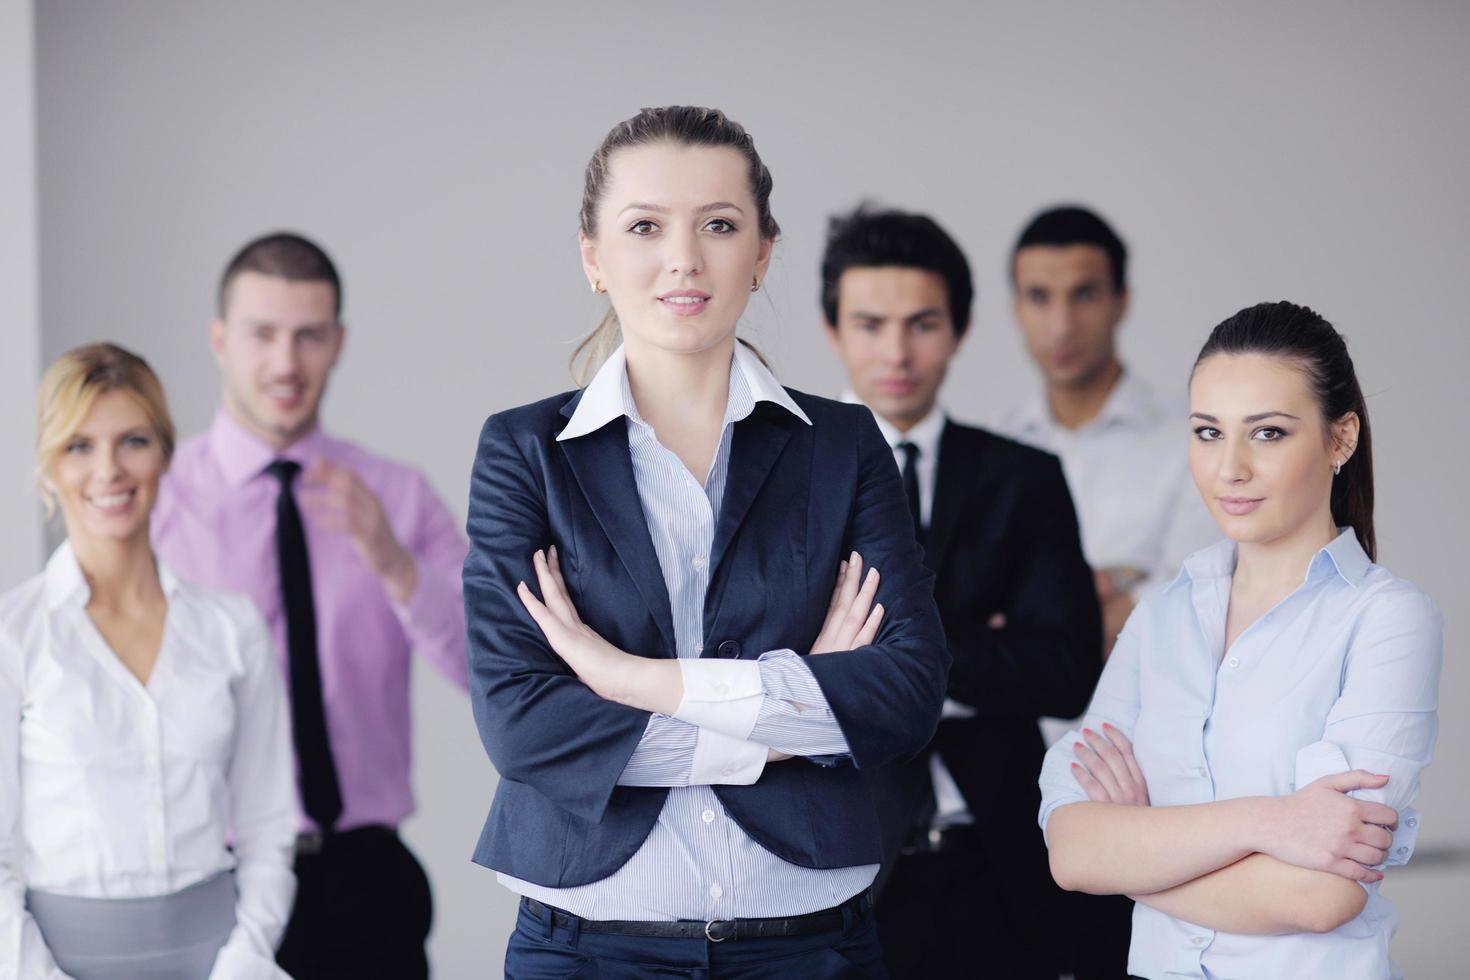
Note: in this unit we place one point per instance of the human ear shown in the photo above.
(590, 268)
(1345, 437)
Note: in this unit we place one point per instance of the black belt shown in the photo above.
(717, 931)
(312, 842)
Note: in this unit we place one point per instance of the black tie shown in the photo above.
(911, 485)
(321, 796)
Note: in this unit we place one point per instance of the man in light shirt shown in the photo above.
(963, 855)
(1124, 448)
(355, 563)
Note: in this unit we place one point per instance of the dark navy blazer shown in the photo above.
(798, 499)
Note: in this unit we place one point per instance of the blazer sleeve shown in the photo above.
(887, 696)
(540, 725)
(1047, 658)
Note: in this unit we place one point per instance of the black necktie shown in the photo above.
(911, 485)
(321, 796)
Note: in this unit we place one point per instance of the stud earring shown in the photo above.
(755, 284)
(597, 287)
(1336, 469)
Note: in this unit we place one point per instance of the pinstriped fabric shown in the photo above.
(697, 863)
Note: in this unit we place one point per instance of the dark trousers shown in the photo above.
(363, 911)
(542, 950)
(948, 914)
(1098, 929)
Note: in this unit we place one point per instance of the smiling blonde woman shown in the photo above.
(147, 813)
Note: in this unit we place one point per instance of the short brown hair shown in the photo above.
(286, 255)
(72, 385)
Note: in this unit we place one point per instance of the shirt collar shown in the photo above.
(65, 582)
(242, 455)
(1344, 556)
(924, 434)
(1131, 402)
(607, 396)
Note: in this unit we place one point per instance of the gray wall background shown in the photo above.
(1250, 151)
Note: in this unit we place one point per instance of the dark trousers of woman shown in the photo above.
(363, 910)
(541, 950)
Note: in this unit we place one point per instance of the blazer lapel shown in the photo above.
(604, 471)
(958, 476)
(755, 445)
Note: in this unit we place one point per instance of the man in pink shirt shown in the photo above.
(355, 563)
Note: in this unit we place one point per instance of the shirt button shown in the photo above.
(699, 648)
(1401, 851)
(709, 816)
(698, 561)
(728, 771)
(1203, 772)
(721, 687)
(1198, 940)
(715, 891)
(1412, 822)
(1234, 661)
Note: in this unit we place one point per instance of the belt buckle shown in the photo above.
(718, 922)
(310, 842)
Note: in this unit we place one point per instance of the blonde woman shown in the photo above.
(147, 813)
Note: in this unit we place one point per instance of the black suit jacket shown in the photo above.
(1002, 539)
(798, 499)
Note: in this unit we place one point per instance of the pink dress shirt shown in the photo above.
(215, 523)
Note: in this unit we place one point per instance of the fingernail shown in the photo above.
(1076, 766)
(1107, 726)
(1078, 745)
(1088, 731)
(854, 556)
(872, 572)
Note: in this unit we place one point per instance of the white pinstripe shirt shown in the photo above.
(697, 863)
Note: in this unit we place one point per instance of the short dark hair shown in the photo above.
(283, 254)
(1074, 225)
(869, 238)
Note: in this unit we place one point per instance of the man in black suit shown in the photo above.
(965, 889)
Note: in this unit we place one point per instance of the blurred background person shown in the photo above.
(147, 815)
(1118, 440)
(355, 562)
(965, 889)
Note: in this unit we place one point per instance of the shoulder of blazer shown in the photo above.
(1002, 455)
(827, 413)
(539, 421)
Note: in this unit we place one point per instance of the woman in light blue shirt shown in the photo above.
(1249, 761)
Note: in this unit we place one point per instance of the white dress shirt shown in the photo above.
(1341, 674)
(110, 788)
(1128, 470)
(697, 864)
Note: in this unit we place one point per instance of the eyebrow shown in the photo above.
(659, 209)
(1249, 419)
(907, 318)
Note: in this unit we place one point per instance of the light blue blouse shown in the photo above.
(1341, 674)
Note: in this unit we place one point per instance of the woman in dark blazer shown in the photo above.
(651, 574)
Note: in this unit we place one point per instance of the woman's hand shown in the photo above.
(852, 618)
(1321, 828)
(1107, 770)
(611, 673)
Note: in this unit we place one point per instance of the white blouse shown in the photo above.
(1341, 674)
(110, 788)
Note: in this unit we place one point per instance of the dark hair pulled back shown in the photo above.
(1304, 337)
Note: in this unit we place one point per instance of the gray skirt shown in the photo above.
(170, 937)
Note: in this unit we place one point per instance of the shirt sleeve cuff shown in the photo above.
(718, 758)
(1326, 759)
(721, 695)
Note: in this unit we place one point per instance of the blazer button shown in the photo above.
(729, 649)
